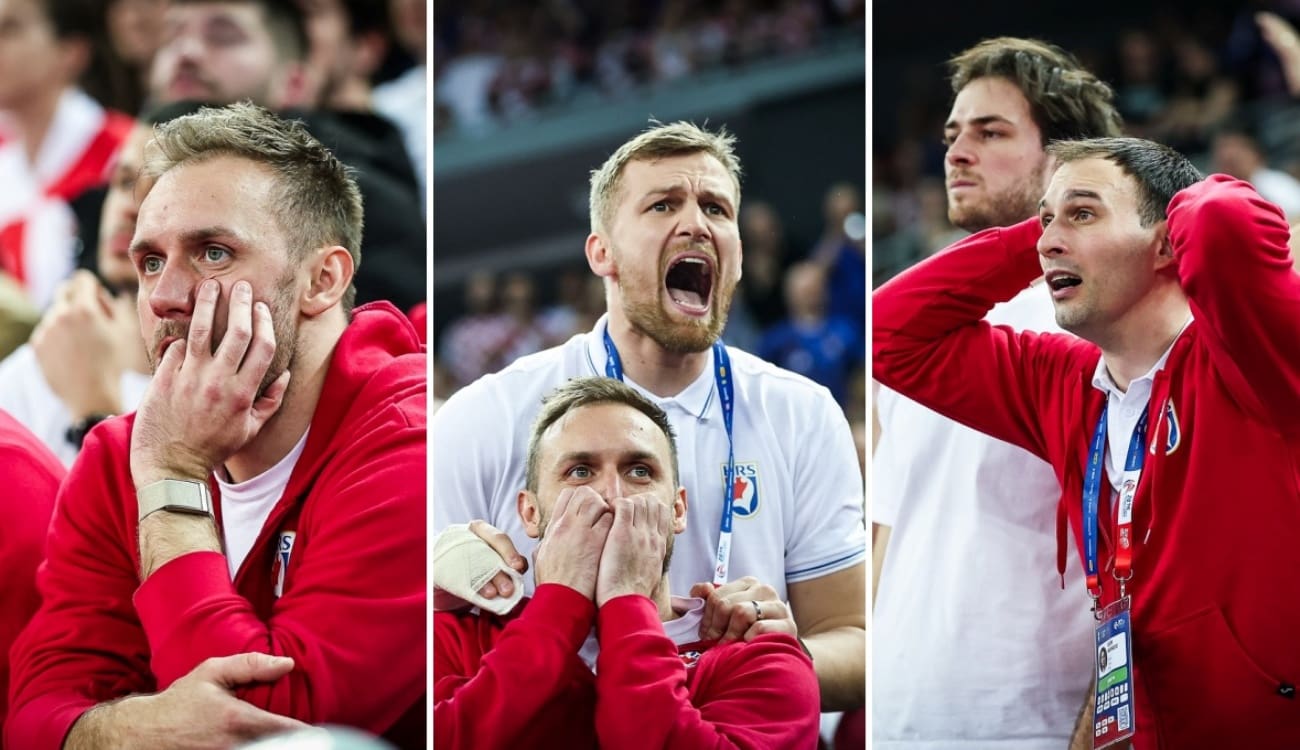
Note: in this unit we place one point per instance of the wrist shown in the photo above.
(105, 400)
(147, 469)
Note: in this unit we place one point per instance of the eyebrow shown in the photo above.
(587, 456)
(192, 237)
(976, 121)
(1074, 194)
(678, 188)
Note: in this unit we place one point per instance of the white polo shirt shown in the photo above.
(976, 645)
(791, 439)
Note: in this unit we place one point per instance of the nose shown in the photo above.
(1051, 242)
(960, 151)
(610, 486)
(172, 295)
(694, 222)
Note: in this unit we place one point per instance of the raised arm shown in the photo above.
(1236, 268)
(931, 344)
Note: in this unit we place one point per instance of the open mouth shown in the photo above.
(690, 283)
(1062, 281)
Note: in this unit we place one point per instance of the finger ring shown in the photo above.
(758, 611)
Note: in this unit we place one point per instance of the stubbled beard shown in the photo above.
(643, 306)
(283, 320)
(1011, 206)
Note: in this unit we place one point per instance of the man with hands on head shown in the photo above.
(279, 449)
(769, 460)
(602, 654)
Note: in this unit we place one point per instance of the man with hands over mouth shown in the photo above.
(776, 540)
(202, 569)
(602, 654)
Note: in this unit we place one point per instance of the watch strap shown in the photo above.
(175, 495)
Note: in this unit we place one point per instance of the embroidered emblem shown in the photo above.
(282, 552)
(744, 489)
(689, 658)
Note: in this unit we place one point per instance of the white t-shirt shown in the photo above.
(975, 643)
(792, 442)
(246, 505)
(26, 395)
(683, 630)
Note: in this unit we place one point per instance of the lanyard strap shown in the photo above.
(726, 395)
(1124, 516)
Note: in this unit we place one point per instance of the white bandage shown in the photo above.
(462, 564)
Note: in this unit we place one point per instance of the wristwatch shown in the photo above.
(176, 496)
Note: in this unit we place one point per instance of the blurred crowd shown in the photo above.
(1207, 81)
(497, 62)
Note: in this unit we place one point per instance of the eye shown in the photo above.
(715, 209)
(215, 254)
(659, 206)
(989, 135)
(1046, 219)
(641, 471)
(580, 471)
(1084, 214)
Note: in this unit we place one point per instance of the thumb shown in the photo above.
(241, 669)
(701, 590)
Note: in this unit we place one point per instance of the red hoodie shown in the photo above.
(517, 682)
(31, 475)
(353, 605)
(1216, 520)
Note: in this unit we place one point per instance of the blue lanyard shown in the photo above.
(726, 395)
(1092, 488)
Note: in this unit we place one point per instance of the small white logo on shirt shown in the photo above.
(282, 552)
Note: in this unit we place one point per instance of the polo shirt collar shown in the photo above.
(695, 399)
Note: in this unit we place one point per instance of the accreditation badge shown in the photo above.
(1113, 719)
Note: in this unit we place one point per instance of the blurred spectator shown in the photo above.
(822, 347)
(86, 361)
(1236, 152)
(1202, 97)
(55, 141)
(463, 350)
(403, 99)
(221, 51)
(766, 259)
(1140, 90)
(842, 250)
(118, 74)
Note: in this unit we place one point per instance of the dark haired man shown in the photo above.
(959, 515)
(1171, 423)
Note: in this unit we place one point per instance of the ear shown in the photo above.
(530, 512)
(600, 257)
(331, 275)
(679, 511)
(1164, 248)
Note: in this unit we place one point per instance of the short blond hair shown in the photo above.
(659, 141)
(317, 204)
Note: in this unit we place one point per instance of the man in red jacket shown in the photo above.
(1172, 423)
(268, 495)
(603, 655)
(31, 475)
